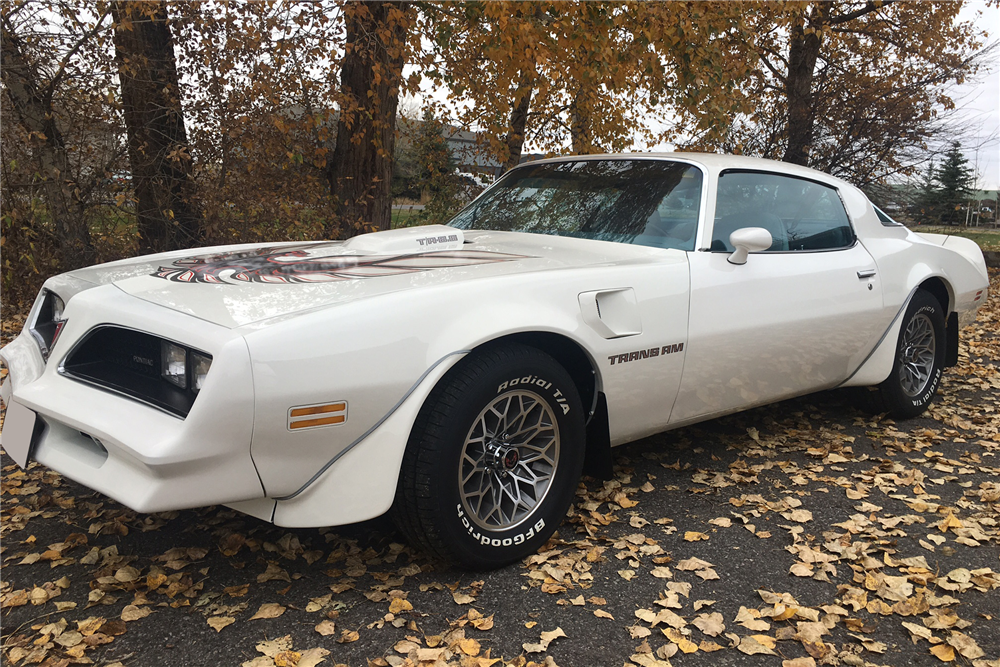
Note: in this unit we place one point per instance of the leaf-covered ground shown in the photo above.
(805, 533)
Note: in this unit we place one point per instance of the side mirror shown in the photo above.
(747, 240)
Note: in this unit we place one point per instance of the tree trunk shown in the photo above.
(580, 130)
(519, 118)
(168, 211)
(802, 54)
(33, 110)
(360, 170)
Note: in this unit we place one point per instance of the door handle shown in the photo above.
(866, 273)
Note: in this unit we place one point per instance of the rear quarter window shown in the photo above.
(884, 218)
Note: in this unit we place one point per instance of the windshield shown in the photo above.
(644, 202)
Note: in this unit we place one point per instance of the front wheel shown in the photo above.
(493, 459)
(916, 371)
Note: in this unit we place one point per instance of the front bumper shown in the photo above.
(143, 458)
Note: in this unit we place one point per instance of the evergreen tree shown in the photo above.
(954, 180)
(927, 206)
(436, 164)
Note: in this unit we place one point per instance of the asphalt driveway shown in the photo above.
(803, 533)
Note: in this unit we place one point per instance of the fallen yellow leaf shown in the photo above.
(268, 610)
(348, 636)
(133, 613)
(326, 628)
(469, 647)
(217, 623)
(949, 522)
(399, 605)
(287, 659)
(677, 637)
(943, 652)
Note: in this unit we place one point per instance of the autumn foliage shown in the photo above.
(142, 126)
(851, 88)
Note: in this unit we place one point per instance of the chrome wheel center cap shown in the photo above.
(501, 457)
(510, 459)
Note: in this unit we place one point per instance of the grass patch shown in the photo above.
(405, 217)
(988, 239)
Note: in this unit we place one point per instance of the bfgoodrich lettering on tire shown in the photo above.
(493, 458)
(916, 371)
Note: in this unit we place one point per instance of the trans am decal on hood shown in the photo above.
(304, 265)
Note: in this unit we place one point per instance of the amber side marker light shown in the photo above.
(312, 416)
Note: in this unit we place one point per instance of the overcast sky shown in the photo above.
(978, 102)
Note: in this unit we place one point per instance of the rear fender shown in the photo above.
(878, 364)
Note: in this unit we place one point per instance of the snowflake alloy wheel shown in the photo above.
(917, 352)
(509, 459)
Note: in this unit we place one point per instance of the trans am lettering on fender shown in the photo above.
(485, 363)
(645, 354)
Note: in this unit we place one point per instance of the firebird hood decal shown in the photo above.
(262, 285)
(289, 265)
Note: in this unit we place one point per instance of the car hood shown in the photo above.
(235, 286)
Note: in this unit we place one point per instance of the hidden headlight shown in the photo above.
(199, 370)
(183, 367)
(174, 364)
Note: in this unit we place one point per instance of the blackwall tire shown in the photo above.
(919, 363)
(493, 459)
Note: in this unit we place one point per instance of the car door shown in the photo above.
(796, 318)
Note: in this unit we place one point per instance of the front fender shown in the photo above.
(360, 483)
(361, 355)
(373, 356)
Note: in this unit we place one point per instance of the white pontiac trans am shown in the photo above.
(463, 375)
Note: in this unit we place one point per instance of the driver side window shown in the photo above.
(800, 214)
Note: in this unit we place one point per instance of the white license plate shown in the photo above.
(18, 427)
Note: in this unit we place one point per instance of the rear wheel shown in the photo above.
(493, 459)
(916, 371)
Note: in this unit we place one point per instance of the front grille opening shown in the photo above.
(127, 362)
(90, 450)
(94, 445)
